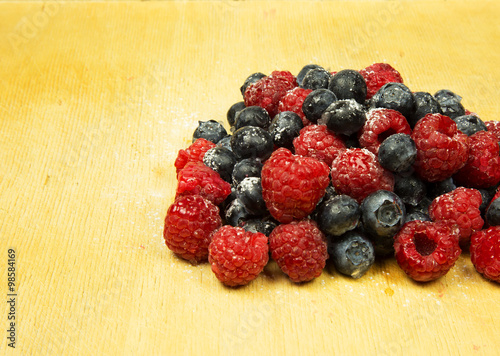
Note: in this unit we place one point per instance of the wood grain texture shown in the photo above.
(97, 98)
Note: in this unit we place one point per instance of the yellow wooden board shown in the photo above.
(97, 99)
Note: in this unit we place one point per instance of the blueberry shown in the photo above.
(284, 128)
(252, 78)
(395, 96)
(210, 130)
(236, 212)
(486, 195)
(258, 225)
(338, 215)
(446, 94)
(352, 254)
(248, 167)
(397, 153)
(493, 213)
(421, 207)
(436, 189)
(348, 84)
(249, 193)
(470, 124)
(233, 110)
(304, 71)
(316, 78)
(316, 103)
(344, 117)
(410, 189)
(221, 160)
(252, 116)
(382, 214)
(225, 142)
(450, 103)
(417, 215)
(252, 141)
(425, 104)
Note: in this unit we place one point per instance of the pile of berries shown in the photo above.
(350, 166)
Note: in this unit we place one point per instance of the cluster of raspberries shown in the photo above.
(348, 166)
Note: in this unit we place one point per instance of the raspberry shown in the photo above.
(460, 207)
(482, 169)
(377, 75)
(485, 252)
(292, 185)
(357, 173)
(197, 178)
(494, 127)
(381, 123)
(441, 148)
(237, 256)
(195, 152)
(318, 142)
(189, 222)
(426, 250)
(300, 249)
(268, 91)
(293, 100)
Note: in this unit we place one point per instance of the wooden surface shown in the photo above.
(96, 100)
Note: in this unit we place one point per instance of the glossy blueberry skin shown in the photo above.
(284, 128)
(493, 213)
(352, 254)
(337, 215)
(221, 160)
(344, 117)
(316, 78)
(410, 189)
(446, 94)
(259, 225)
(249, 193)
(395, 96)
(417, 215)
(450, 103)
(348, 84)
(425, 104)
(252, 141)
(252, 78)
(439, 188)
(397, 153)
(248, 167)
(382, 214)
(210, 130)
(316, 103)
(304, 70)
(252, 116)
(236, 212)
(233, 110)
(225, 142)
(470, 124)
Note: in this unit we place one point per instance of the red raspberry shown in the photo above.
(293, 100)
(189, 223)
(357, 173)
(197, 178)
(377, 75)
(300, 249)
(292, 185)
(195, 152)
(485, 252)
(459, 207)
(482, 169)
(442, 149)
(318, 142)
(494, 127)
(426, 250)
(380, 124)
(268, 91)
(237, 256)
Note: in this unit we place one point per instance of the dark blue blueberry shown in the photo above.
(233, 110)
(421, 207)
(316, 78)
(225, 142)
(249, 193)
(284, 128)
(486, 195)
(417, 215)
(248, 167)
(470, 124)
(382, 214)
(316, 103)
(436, 189)
(493, 213)
(446, 94)
(395, 96)
(252, 141)
(304, 71)
(338, 215)
(450, 103)
(344, 117)
(397, 153)
(352, 254)
(252, 78)
(221, 160)
(410, 189)
(425, 104)
(210, 130)
(259, 225)
(236, 212)
(348, 84)
(252, 116)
